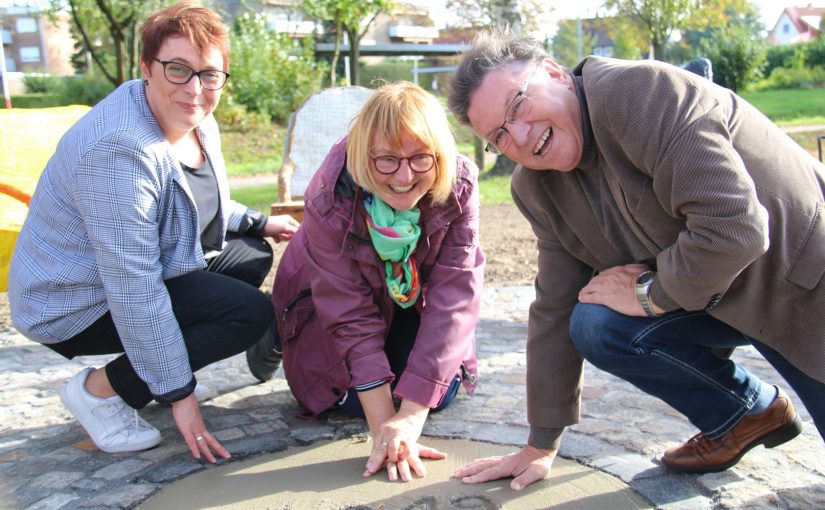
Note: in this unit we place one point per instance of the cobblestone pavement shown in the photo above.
(48, 462)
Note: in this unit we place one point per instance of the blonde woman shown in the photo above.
(378, 294)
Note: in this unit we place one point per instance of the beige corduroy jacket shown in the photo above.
(686, 176)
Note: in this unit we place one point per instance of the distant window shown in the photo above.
(608, 51)
(597, 50)
(11, 65)
(29, 54)
(786, 28)
(26, 25)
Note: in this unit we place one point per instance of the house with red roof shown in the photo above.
(797, 24)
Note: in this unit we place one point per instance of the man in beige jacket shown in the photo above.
(673, 221)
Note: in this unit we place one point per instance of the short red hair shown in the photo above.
(202, 26)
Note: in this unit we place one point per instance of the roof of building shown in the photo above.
(803, 18)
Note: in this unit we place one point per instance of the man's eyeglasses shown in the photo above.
(501, 138)
(180, 74)
(419, 163)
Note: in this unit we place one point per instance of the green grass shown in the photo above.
(254, 151)
(257, 197)
(790, 107)
(494, 189)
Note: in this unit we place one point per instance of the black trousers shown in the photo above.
(220, 310)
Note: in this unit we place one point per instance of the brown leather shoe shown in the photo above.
(778, 424)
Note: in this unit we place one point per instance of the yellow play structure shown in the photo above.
(28, 138)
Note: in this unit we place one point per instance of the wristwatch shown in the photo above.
(643, 283)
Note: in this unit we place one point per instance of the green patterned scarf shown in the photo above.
(394, 235)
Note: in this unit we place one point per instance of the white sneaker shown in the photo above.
(113, 426)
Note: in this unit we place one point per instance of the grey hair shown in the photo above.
(491, 50)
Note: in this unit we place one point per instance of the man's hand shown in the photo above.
(526, 466)
(615, 288)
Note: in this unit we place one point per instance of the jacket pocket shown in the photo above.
(295, 314)
(316, 374)
(809, 263)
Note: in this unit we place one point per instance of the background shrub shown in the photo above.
(270, 74)
(41, 83)
(85, 89)
(784, 55)
(737, 58)
(793, 78)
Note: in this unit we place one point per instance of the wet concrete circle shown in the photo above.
(327, 476)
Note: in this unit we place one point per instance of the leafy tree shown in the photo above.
(566, 42)
(628, 43)
(352, 17)
(110, 31)
(737, 57)
(658, 18)
(270, 75)
(520, 16)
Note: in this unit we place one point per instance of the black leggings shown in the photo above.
(220, 311)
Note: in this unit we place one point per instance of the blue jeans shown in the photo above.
(671, 358)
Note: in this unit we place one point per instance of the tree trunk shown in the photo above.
(503, 166)
(354, 54)
(658, 48)
(336, 52)
(134, 52)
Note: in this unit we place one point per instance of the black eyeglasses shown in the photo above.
(180, 74)
(419, 163)
(501, 138)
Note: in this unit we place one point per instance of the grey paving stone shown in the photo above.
(266, 443)
(628, 467)
(171, 469)
(54, 502)
(311, 434)
(672, 493)
(56, 479)
(125, 496)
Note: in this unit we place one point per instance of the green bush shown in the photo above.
(85, 89)
(793, 78)
(270, 74)
(815, 53)
(737, 57)
(232, 116)
(41, 83)
(784, 55)
(37, 101)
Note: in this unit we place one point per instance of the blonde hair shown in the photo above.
(395, 109)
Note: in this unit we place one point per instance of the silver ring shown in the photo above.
(199, 438)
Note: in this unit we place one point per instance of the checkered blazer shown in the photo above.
(112, 218)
